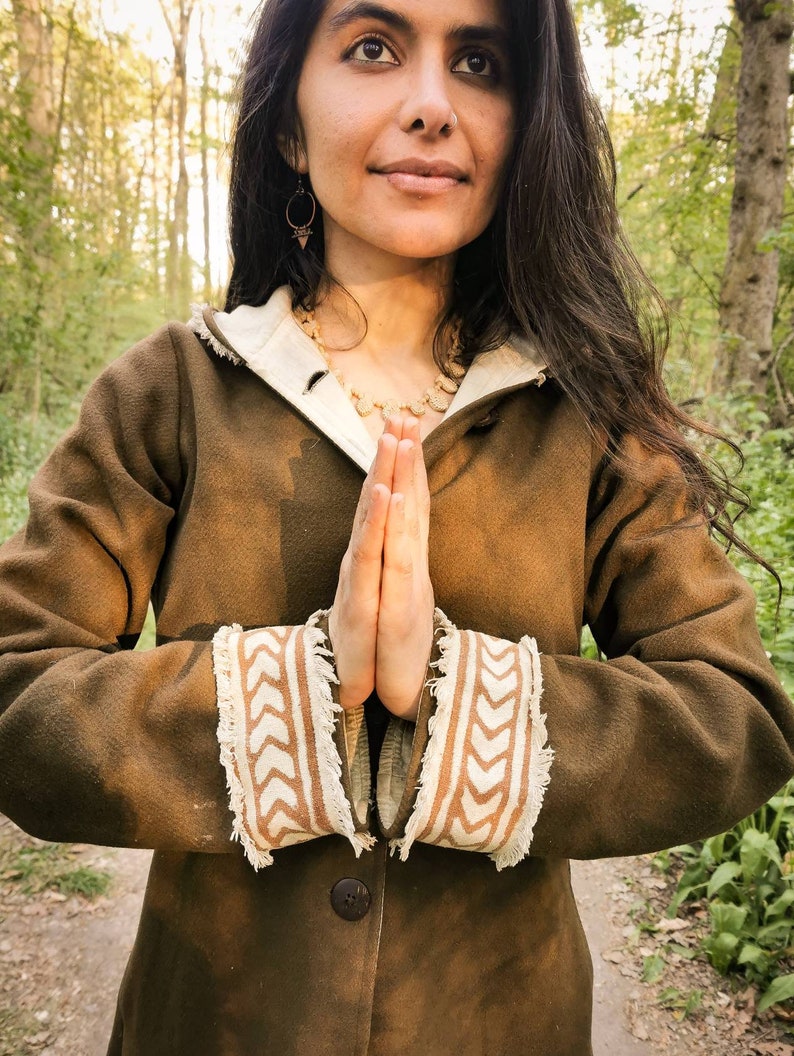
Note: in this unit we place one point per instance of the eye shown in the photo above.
(479, 63)
(372, 50)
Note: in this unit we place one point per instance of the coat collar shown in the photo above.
(272, 344)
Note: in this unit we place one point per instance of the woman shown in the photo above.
(420, 214)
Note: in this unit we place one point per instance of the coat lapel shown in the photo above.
(269, 341)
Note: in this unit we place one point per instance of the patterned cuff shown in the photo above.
(486, 764)
(276, 729)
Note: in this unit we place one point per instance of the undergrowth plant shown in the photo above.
(746, 877)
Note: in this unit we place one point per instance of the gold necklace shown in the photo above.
(438, 396)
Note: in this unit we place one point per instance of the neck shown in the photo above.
(401, 300)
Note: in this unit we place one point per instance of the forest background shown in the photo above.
(113, 127)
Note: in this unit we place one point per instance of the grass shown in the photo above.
(52, 867)
(16, 1025)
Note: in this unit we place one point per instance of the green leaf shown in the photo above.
(721, 950)
(727, 918)
(685, 1004)
(669, 997)
(755, 853)
(681, 895)
(653, 968)
(715, 847)
(723, 875)
(780, 905)
(782, 989)
(775, 935)
(693, 1003)
(683, 951)
(754, 955)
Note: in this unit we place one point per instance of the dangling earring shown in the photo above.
(301, 231)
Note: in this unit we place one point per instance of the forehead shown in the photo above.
(416, 15)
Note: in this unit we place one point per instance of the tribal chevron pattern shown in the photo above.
(275, 730)
(486, 766)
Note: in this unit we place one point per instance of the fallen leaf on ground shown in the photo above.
(672, 925)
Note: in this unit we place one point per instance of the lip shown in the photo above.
(423, 167)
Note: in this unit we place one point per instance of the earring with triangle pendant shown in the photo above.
(304, 202)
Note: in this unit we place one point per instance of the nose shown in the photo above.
(427, 107)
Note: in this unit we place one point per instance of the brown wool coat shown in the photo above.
(192, 480)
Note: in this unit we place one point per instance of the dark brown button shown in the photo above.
(350, 899)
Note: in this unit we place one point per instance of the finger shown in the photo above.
(405, 484)
(366, 544)
(422, 490)
(394, 426)
(397, 557)
(382, 468)
(411, 429)
(418, 509)
(381, 472)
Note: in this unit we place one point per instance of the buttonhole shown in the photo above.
(315, 379)
(487, 422)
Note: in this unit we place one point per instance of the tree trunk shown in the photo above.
(178, 272)
(155, 99)
(750, 280)
(34, 50)
(205, 169)
(721, 120)
(36, 101)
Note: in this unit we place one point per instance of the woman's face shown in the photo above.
(378, 95)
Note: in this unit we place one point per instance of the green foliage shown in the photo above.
(782, 989)
(72, 210)
(683, 1004)
(653, 968)
(23, 447)
(768, 526)
(746, 876)
(148, 634)
(51, 867)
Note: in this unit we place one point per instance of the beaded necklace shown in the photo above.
(438, 396)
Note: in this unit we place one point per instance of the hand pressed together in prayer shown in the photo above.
(381, 623)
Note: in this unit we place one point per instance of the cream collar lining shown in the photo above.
(272, 344)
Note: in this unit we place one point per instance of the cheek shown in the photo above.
(494, 152)
(505, 136)
(333, 129)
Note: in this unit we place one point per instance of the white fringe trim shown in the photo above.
(540, 760)
(259, 857)
(199, 327)
(443, 689)
(541, 755)
(329, 762)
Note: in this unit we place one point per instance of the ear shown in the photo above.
(292, 151)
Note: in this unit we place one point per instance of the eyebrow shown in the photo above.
(363, 9)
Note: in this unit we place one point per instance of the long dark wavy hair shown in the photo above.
(553, 263)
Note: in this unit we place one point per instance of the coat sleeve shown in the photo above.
(680, 732)
(106, 745)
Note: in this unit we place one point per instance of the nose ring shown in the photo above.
(451, 125)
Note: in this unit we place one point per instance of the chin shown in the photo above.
(421, 243)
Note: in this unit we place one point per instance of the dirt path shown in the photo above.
(62, 958)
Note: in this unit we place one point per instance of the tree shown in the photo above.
(35, 99)
(749, 290)
(178, 265)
